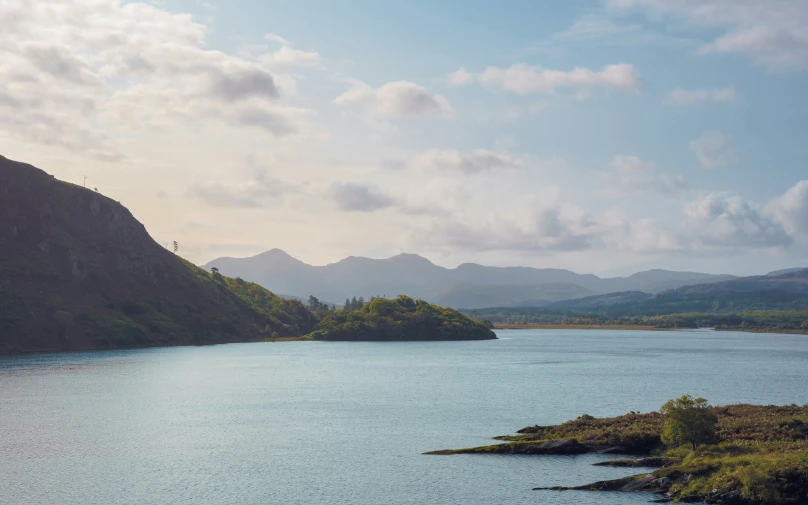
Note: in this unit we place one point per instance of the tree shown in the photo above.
(688, 421)
(176, 247)
(314, 303)
(214, 271)
(347, 306)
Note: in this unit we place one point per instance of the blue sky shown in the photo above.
(601, 136)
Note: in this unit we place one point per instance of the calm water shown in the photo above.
(345, 423)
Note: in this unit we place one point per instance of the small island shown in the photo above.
(733, 454)
(400, 319)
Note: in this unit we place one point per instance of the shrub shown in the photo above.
(688, 421)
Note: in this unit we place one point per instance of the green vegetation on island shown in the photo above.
(733, 454)
(399, 319)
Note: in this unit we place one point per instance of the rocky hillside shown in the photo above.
(78, 271)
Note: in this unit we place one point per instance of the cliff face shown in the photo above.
(78, 271)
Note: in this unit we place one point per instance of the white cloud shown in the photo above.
(260, 190)
(287, 55)
(525, 79)
(460, 77)
(400, 99)
(681, 97)
(479, 160)
(772, 33)
(75, 74)
(791, 209)
(724, 220)
(553, 227)
(393, 164)
(713, 149)
(633, 174)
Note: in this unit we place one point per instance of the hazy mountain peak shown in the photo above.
(411, 259)
(275, 254)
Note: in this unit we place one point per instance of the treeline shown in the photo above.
(321, 309)
(748, 320)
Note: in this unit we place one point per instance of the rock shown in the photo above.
(650, 462)
(561, 447)
(617, 449)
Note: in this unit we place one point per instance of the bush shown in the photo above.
(688, 421)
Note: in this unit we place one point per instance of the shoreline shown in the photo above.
(505, 326)
(630, 327)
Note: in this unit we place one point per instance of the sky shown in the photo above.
(599, 136)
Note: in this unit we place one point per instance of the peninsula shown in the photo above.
(746, 454)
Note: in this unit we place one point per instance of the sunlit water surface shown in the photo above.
(345, 423)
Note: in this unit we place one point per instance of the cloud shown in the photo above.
(771, 33)
(724, 220)
(359, 197)
(708, 224)
(525, 79)
(75, 74)
(399, 99)
(552, 228)
(791, 209)
(713, 149)
(393, 164)
(633, 174)
(681, 97)
(244, 84)
(477, 161)
(261, 190)
(287, 55)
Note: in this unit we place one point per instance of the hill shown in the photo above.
(784, 292)
(78, 271)
(538, 295)
(400, 319)
(598, 301)
(467, 286)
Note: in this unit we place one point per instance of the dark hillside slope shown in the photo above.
(78, 271)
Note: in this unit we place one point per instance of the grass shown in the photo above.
(760, 451)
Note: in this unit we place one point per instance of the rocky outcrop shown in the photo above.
(649, 462)
(651, 483)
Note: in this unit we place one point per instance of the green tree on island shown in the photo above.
(688, 421)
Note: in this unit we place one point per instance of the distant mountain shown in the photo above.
(787, 290)
(78, 271)
(598, 301)
(537, 295)
(784, 271)
(467, 286)
(787, 281)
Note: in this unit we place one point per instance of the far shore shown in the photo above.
(505, 326)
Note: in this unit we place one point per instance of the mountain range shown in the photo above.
(468, 286)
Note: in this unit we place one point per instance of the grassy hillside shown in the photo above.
(77, 271)
(401, 318)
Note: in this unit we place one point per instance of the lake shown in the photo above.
(345, 423)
